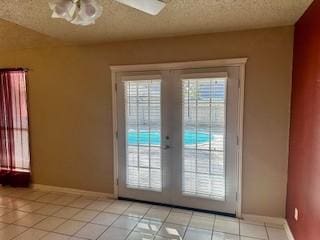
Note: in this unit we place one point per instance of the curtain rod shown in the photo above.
(15, 69)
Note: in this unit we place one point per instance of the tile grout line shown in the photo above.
(111, 223)
(65, 220)
(11, 196)
(265, 226)
(132, 230)
(87, 222)
(188, 226)
(46, 216)
(19, 233)
(214, 224)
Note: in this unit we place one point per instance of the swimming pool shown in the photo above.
(143, 138)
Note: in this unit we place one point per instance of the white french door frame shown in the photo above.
(235, 62)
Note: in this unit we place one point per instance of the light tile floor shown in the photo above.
(28, 214)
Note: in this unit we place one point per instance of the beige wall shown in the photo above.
(13, 36)
(71, 110)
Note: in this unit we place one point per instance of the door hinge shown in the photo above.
(116, 87)
(239, 83)
(238, 140)
(117, 134)
(117, 181)
(236, 196)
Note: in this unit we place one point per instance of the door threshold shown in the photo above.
(179, 207)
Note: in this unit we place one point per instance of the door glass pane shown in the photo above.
(204, 115)
(143, 134)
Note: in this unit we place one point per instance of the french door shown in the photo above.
(177, 137)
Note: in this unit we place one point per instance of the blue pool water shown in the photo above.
(143, 138)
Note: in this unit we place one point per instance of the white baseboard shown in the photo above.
(264, 219)
(270, 220)
(49, 188)
(288, 231)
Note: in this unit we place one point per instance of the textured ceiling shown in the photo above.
(180, 17)
(13, 37)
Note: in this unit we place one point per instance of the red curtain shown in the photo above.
(14, 135)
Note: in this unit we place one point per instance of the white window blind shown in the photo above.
(204, 107)
(143, 134)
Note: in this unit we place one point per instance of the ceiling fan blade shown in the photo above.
(152, 7)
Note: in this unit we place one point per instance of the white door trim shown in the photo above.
(179, 65)
(239, 62)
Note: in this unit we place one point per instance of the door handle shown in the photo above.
(165, 147)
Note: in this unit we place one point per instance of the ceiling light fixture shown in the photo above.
(79, 12)
(85, 12)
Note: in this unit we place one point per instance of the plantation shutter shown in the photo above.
(204, 127)
(143, 134)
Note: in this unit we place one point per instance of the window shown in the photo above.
(143, 134)
(204, 133)
(14, 145)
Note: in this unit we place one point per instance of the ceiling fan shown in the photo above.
(85, 12)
